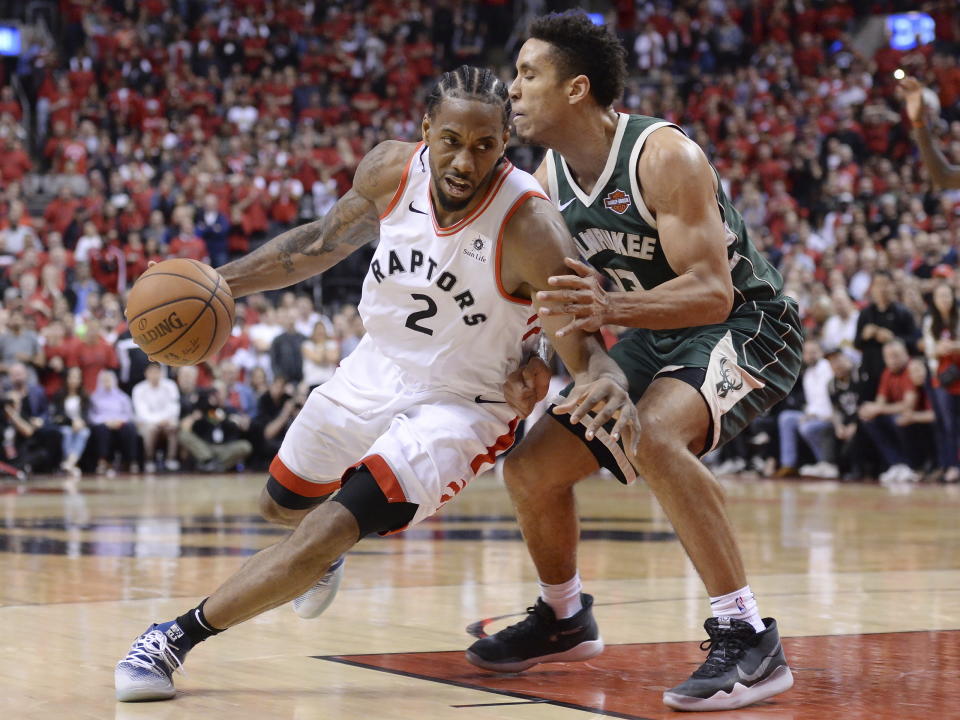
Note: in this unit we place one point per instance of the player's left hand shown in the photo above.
(582, 296)
(913, 97)
(526, 386)
(608, 399)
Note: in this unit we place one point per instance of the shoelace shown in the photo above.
(152, 649)
(723, 650)
(534, 616)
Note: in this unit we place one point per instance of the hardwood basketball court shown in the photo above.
(863, 580)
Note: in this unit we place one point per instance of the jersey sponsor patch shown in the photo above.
(477, 249)
(618, 201)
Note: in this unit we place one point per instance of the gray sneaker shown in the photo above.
(742, 667)
(318, 598)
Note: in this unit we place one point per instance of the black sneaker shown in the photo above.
(742, 667)
(539, 638)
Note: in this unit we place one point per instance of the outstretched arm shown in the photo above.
(536, 243)
(943, 174)
(310, 249)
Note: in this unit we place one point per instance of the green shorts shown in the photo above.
(740, 367)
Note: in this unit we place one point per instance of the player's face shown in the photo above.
(466, 140)
(537, 94)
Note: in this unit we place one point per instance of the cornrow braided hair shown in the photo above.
(469, 81)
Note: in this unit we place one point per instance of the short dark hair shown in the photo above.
(583, 48)
(469, 81)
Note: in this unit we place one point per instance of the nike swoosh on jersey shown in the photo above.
(761, 668)
(566, 204)
(479, 399)
(413, 209)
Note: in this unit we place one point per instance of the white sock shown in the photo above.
(740, 604)
(563, 598)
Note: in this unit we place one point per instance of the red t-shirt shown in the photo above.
(92, 358)
(188, 247)
(52, 381)
(894, 385)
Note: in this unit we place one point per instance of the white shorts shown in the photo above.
(422, 447)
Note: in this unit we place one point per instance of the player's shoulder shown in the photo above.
(669, 150)
(381, 170)
(672, 163)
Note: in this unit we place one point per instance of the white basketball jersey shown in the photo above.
(432, 298)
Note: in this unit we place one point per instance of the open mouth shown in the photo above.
(456, 187)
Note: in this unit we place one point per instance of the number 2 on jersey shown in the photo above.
(416, 317)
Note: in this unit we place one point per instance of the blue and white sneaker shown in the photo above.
(146, 673)
(318, 598)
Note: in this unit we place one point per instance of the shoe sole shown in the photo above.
(144, 693)
(780, 680)
(308, 611)
(584, 651)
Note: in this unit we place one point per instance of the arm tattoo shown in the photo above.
(349, 225)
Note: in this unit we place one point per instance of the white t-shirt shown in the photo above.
(156, 404)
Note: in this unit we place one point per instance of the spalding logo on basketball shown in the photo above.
(180, 312)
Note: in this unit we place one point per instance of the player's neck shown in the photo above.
(586, 142)
(446, 218)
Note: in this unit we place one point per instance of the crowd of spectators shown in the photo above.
(192, 128)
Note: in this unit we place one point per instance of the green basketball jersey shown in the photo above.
(616, 233)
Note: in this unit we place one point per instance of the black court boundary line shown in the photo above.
(545, 701)
(527, 699)
(512, 702)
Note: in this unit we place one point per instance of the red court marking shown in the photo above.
(886, 676)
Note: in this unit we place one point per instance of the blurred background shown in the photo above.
(136, 131)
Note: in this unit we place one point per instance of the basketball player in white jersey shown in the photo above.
(418, 409)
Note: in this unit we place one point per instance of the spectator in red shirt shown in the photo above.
(187, 244)
(61, 210)
(14, 161)
(94, 354)
(108, 263)
(808, 56)
(63, 105)
(10, 104)
(135, 256)
(59, 352)
(890, 420)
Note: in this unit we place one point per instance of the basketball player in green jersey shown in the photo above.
(713, 343)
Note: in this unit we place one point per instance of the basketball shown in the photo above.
(180, 312)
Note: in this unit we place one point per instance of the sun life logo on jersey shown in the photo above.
(618, 201)
(475, 250)
(731, 377)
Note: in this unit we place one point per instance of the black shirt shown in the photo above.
(896, 318)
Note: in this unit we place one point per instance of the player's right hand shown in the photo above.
(913, 97)
(608, 399)
(526, 386)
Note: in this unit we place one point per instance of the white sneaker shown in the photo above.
(146, 673)
(149, 467)
(909, 475)
(730, 467)
(171, 465)
(898, 473)
(318, 598)
(823, 469)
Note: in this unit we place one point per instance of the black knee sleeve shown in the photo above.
(362, 496)
(288, 499)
